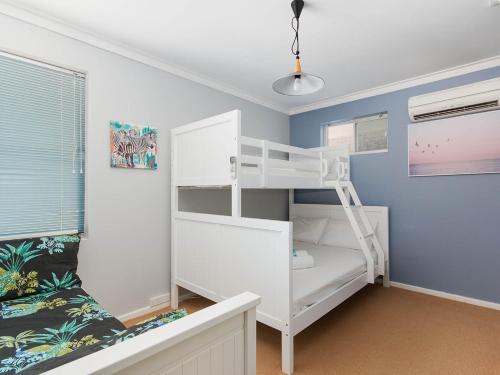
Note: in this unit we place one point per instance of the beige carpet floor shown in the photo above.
(385, 331)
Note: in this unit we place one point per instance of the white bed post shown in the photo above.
(265, 156)
(287, 332)
(174, 207)
(236, 173)
(250, 342)
(235, 199)
(287, 352)
(174, 289)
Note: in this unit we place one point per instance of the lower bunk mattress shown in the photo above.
(333, 267)
(46, 330)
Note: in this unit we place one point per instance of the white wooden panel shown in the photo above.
(306, 165)
(251, 179)
(204, 362)
(185, 352)
(239, 353)
(251, 159)
(202, 150)
(253, 142)
(293, 149)
(229, 356)
(221, 256)
(217, 359)
(175, 371)
(205, 351)
(249, 262)
(190, 367)
(181, 347)
(193, 257)
(292, 173)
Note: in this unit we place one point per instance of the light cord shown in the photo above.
(296, 44)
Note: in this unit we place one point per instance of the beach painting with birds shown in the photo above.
(467, 144)
(133, 146)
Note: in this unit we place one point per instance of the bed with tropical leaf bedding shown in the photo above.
(46, 318)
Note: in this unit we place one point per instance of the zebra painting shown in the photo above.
(133, 146)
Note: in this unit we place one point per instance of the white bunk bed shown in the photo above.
(219, 256)
(219, 339)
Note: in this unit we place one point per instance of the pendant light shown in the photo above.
(298, 82)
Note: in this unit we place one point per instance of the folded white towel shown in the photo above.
(301, 262)
(301, 253)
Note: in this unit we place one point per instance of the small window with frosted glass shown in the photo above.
(362, 135)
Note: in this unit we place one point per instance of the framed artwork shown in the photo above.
(467, 144)
(133, 146)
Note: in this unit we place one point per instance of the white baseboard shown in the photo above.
(187, 295)
(454, 297)
(145, 310)
(150, 309)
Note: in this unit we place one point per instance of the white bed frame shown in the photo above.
(218, 340)
(219, 256)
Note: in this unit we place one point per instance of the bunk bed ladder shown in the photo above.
(346, 191)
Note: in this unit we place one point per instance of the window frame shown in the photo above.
(355, 121)
(65, 68)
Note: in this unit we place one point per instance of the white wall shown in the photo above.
(126, 258)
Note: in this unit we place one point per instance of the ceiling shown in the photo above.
(245, 45)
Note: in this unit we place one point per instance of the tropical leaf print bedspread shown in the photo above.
(42, 331)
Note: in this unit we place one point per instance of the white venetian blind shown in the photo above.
(42, 148)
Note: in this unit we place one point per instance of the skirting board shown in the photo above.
(436, 293)
(450, 296)
(144, 310)
(151, 309)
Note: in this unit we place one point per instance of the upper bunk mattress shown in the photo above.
(333, 267)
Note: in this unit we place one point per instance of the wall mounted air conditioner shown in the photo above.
(476, 97)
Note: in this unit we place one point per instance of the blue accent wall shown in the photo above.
(444, 230)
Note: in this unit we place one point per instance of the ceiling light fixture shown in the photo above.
(298, 82)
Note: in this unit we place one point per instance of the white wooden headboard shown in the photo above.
(376, 214)
(202, 151)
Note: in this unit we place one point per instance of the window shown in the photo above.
(42, 148)
(364, 134)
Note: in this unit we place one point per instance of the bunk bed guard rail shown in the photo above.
(270, 162)
(212, 152)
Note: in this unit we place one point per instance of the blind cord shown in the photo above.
(80, 99)
(74, 124)
(61, 178)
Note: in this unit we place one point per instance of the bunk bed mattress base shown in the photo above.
(334, 267)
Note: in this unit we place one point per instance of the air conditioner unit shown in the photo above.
(476, 97)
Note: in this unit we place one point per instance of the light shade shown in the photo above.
(293, 86)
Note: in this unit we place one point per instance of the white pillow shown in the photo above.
(340, 233)
(307, 229)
